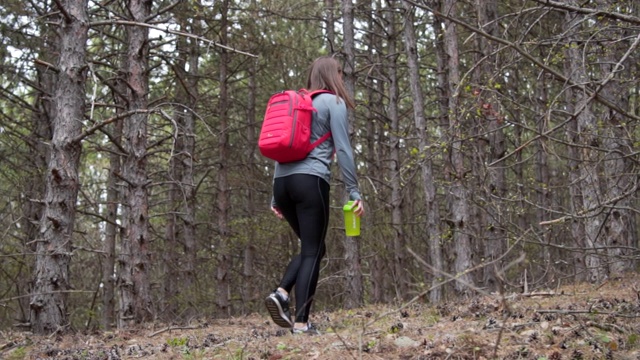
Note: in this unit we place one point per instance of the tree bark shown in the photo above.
(249, 253)
(620, 221)
(135, 298)
(543, 180)
(180, 232)
(586, 172)
(374, 124)
(432, 213)
(491, 114)
(111, 231)
(39, 154)
(398, 242)
(459, 208)
(53, 253)
(188, 218)
(442, 95)
(223, 270)
(354, 284)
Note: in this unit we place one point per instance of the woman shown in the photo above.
(301, 194)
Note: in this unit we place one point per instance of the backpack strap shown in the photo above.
(316, 92)
(311, 94)
(320, 140)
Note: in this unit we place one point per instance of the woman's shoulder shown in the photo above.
(328, 99)
(325, 94)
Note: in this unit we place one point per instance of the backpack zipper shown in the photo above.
(294, 115)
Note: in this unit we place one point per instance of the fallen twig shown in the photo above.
(170, 328)
(8, 345)
(606, 327)
(567, 312)
(531, 294)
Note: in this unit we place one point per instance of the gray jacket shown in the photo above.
(331, 116)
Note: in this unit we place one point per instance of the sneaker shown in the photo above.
(278, 308)
(310, 329)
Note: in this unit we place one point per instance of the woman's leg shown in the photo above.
(287, 207)
(304, 202)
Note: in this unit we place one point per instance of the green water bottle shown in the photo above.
(351, 220)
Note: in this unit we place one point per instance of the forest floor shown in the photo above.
(583, 321)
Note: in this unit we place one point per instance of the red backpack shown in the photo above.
(286, 129)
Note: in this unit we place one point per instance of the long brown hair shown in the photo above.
(325, 74)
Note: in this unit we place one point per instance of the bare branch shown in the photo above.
(104, 123)
(169, 31)
(584, 104)
(556, 74)
(163, 10)
(583, 10)
(46, 64)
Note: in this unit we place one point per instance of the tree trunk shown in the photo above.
(398, 241)
(188, 218)
(39, 153)
(491, 114)
(586, 172)
(331, 21)
(170, 255)
(459, 208)
(543, 180)
(115, 188)
(575, 191)
(111, 233)
(249, 287)
(354, 285)
(374, 125)
(180, 226)
(619, 168)
(432, 211)
(134, 285)
(443, 123)
(620, 222)
(53, 252)
(223, 271)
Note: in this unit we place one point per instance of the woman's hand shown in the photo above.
(358, 208)
(277, 212)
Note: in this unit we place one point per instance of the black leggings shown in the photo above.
(304, 203)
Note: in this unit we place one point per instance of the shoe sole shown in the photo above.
(277, 314)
